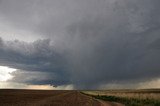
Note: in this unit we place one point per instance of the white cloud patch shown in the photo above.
(6, 73)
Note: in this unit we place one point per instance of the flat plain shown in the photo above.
(48, 98)
(13, 97)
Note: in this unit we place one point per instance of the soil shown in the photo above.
(49, 98)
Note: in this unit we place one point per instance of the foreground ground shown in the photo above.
(49, 98)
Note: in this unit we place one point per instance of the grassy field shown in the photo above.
(145, 97)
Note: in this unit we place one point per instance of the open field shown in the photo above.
(49, 98)
(145, 97)
(79, 98)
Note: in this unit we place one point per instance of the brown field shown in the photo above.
(49, 98)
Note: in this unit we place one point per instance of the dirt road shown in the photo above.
(106, 103)
(49, 98)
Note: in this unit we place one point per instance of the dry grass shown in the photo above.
(140, 94)
(150, 97)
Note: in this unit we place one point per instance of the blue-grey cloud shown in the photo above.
(38, 56)
(88, 43)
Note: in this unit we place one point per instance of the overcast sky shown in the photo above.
(80, 44)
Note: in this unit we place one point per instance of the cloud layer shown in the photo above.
(87, 43)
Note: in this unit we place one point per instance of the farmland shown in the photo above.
(48, 98)
(15, 97)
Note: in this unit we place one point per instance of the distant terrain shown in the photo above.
(10, 97)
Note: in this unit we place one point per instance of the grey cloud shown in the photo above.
(36, 77)
(91, 42)
(116, 48)
(155, 45)
(38, 56)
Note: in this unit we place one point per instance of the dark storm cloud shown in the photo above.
(39, 77)
(38, 56)
(95, 42)
(126, 56)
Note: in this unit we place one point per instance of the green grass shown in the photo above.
(130, 101)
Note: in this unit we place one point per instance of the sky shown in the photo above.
(79, 44)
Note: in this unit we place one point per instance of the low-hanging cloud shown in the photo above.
(88, 43)
(38, 56)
